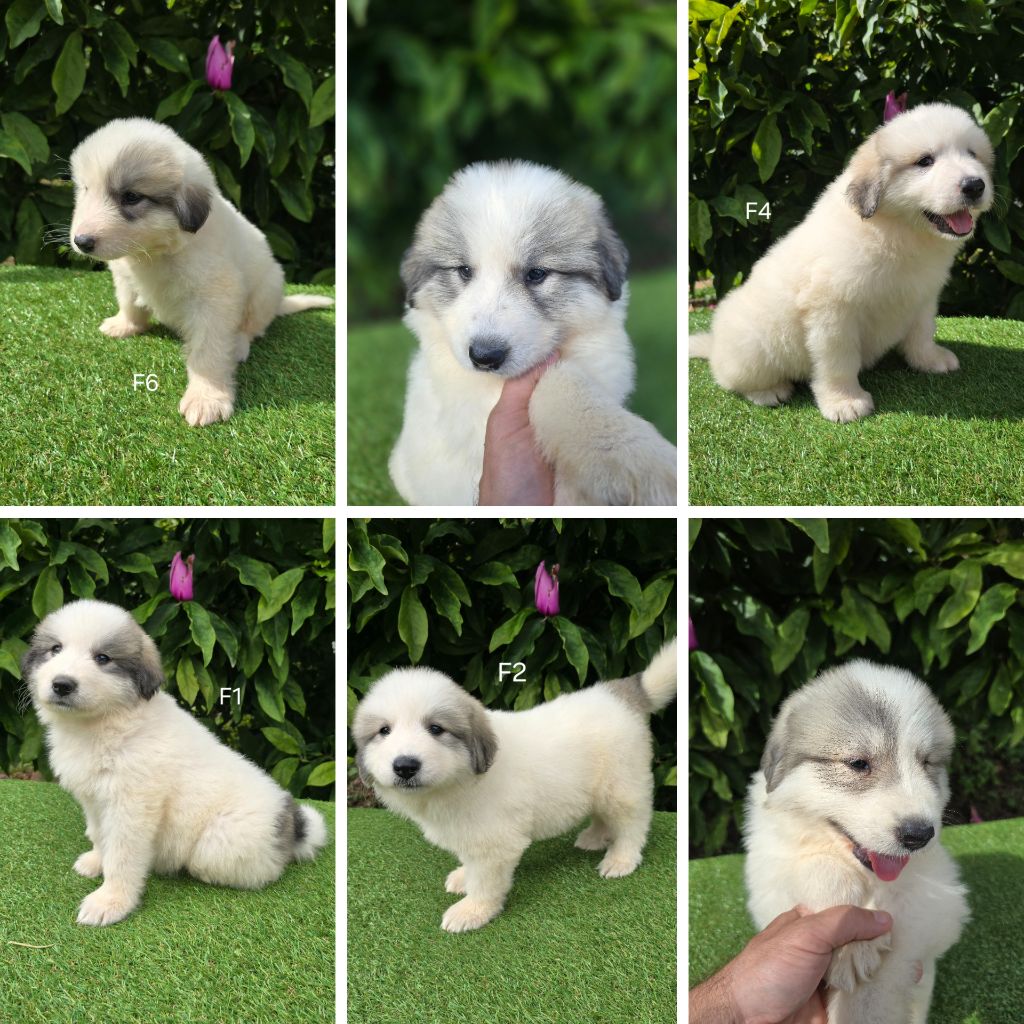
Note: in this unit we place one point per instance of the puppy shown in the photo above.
(485, 784)
(511, 265)
(146, 203)
(862, 273)
(847, 808)
(159, 792)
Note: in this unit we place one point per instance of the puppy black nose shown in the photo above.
(63, 685)
(85, 242)
(973, 188)
(914, 834)
(406, 767)
(488, 353)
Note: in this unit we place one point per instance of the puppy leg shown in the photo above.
(886, 999)
(596, 836)
(628, 825)
(921, 352)
(210, 395)
(127, 856)
(835, 356)
(132, 317)
(921, 994)
(235, 851)
(90, 863)
(456, 881)
(487, 884)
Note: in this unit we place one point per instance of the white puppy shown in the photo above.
(159, 792)
(513, 264)
(146, 203)
(862, 273)
(847, 808)
(485, 784)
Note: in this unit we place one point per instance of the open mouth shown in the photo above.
(885, 867)
(956, 225)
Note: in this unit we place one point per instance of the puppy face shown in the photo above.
(931, 167)
(139, 190)
(90, 658)
(416, 729)
(509, 261)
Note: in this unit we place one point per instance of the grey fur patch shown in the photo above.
(131, 651)
(192, 207)
(148, 168)
(864, 195)
(289, 826)
(631, 692)
(466, 721)
(38, 650)
(437, 248)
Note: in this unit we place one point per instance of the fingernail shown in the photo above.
(881, 917)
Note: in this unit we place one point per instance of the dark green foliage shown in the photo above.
(773, 601)
(457, 595)
(588, 87)
(782, 93)
(262, 621)
(67, 67)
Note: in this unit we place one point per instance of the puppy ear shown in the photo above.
(481, 741)
(773, 760)
(416, 270)
(364, 771)
(867, 180)
(192, 207)
(613, 257)
(32, 656)
(147, 671)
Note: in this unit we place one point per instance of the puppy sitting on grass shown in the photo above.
(146, 203)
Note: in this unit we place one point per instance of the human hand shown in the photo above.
(775, 979)
(514, 472)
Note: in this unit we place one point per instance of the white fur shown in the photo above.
(159, 792)
(501, 215)
(796, 855)
(848, 284)
(495, 781)
(186, 256)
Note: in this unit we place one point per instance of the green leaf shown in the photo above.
(655, 596)
(241, 126)
(509, 629)
(965, 579)
(767, 147)
(48, 594)
(1001, 691)
(296, 77)
(494, 574)
(202, 629)
(572, 643)
(323, 774)
(328, 535)
(446, 602)
(137, 563)
(991, 608)
(55, 9)
(224, 633)
(269, 697)
(789, 639)
(23, 20)
(621, 583)
(1009, 557)
(166, 54)
(412, 624)
(9, 544)
(304, 602)
(278, 593)
(816, 529)
(363, 557)
(29, 230)
(322, 107)
(715, 690)
(32, 140)
(68, 77)
(284, 741)
(296, 197)
(185, 676)
(284, 770)
(173, 104)
(252, 573)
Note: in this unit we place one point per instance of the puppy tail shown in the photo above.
(310, 832)
(297, 303)
(700, 346)
(659, 678)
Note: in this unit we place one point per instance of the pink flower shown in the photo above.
(693, 637)
(975, 818)
(545, 590)
(219, 61)
(894, 105)
(181, 577)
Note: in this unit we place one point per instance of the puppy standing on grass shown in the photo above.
(159, 792)
(146, 203)
(485, 784)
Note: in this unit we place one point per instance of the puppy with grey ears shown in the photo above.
(147, 204)
(160, 793)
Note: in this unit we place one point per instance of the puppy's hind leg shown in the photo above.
(628, 820)
(132, 317)
(597, 835)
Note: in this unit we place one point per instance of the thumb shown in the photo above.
(517, 390)
(840, 925)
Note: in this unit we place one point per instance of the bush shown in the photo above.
(781, 94)
(68, 67)
(587, 87)
(773, 601)
(262, 621)
(457, 595)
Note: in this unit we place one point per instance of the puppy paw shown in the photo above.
(89, 865)
(856, 962)
(456, 881)
(617, 865)
(105, 906)
(203, 404)
(934, 359)
(121, 327)
(846, 408)
(468, 914)
(593, 838)
(771, 396)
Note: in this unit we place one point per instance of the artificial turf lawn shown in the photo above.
(76, 433)
(378, 363)
(569, 947)
(935, 439)
(191, 954)
(980, 980)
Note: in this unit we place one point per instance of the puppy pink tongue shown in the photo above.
(887, 868)
(960, 222)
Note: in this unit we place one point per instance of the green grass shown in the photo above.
(378, 361)
(946, 439)
(980, 980)
(76, 433)
(570, 947)
(191, 954)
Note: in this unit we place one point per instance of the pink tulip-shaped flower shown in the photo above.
(894, 105)
(693, 637)
(545, 590)
(181, 577)
(219, 60)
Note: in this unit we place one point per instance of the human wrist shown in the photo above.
(712, 1002)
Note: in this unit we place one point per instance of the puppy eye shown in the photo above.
(131, 198)
(434, 730)
(536, 275)
(101, 659)
(56, 649)
(384, 730)
(971, 153)
(926, 161)
(859, 765)
(464, 272)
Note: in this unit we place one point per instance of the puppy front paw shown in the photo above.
(89, 864)
(105, 906)
(934, 359)
(121, 327)
(203, 404)
(846, 408)
(468, 914)
(456, 881)
(618, 865)
(856, 963)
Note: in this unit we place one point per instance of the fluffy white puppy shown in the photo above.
(146, 203)
(485, 784)
(847, 808)
(513, 264)
(862, 273)
(159, 792)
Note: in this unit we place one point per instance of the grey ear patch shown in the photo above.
(613, 257)
(192, 207)
(29, 660)
(481, 741)
(864, 195)
(771, 765)
(415, 271)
